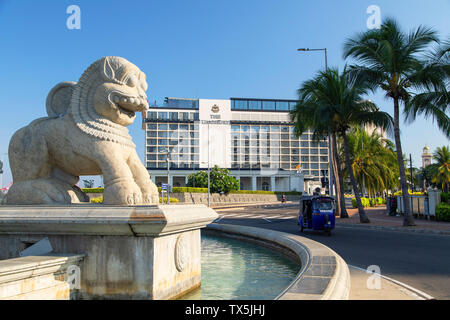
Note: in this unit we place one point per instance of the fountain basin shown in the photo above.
(135, 252)
(323, 275)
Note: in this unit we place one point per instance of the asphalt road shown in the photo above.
(421, 261)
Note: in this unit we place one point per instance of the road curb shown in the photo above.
(401, 284)
(396, 229)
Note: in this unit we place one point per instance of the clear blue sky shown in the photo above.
(198, 49)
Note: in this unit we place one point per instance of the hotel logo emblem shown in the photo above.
(215, 108)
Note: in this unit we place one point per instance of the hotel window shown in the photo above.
(282, 105)
(323, 159)
(151, 134)
(314, 159)
(323, 144)
(152, 115)
(173, 126)
(254, 105)
(323, 151)
(274, 136)
(268, 105)
(162, 115)
(295, 144)
(304, 144)
(151, 126)
(173, 116)
(305, 159)
(292, 105)
(162, 126)
(240, 104)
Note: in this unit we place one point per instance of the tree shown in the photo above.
(333, 102)
(435, 99)
(88, 183)
(442, 175)
(373, 161)
(219, 179)
(389, 60)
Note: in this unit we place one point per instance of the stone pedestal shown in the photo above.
(140, 252)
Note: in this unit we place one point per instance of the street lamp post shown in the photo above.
(329, 139)
(167, 153)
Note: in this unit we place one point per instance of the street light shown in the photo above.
(329, 140)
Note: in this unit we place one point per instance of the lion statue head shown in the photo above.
(105, 99)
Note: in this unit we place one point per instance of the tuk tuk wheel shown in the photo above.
(301, 228)
(328, 232)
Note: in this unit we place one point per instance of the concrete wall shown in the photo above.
(38, 278)
(216, 198)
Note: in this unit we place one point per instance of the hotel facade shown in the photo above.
(253, 138)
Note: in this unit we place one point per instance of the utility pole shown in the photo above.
(330, 165)
(413, 187)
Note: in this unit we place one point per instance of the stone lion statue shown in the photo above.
(84, 134)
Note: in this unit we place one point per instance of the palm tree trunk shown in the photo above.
(339, 181)
(363, 218)
(408, 219)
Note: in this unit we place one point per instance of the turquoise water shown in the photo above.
(238, 270)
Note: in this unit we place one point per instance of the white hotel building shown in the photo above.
(253, 138)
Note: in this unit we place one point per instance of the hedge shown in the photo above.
(205, 190)
(443, 212)
(93, 190)
(399, 193)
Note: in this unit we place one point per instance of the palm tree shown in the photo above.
(389, 60)
(442, 176)
(331, 103)
(435, 99)
(373, 161)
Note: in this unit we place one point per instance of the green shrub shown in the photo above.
(365, 202)
(445, 197)
(171, 200)
(187, 189)
(93, 190)
(380, 200)
(443, 211)
(97, 200)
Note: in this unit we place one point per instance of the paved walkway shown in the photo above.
(379, 219)
(386, 290)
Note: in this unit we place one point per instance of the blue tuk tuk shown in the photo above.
(317, 213)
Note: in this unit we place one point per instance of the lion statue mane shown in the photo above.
(84, 134)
